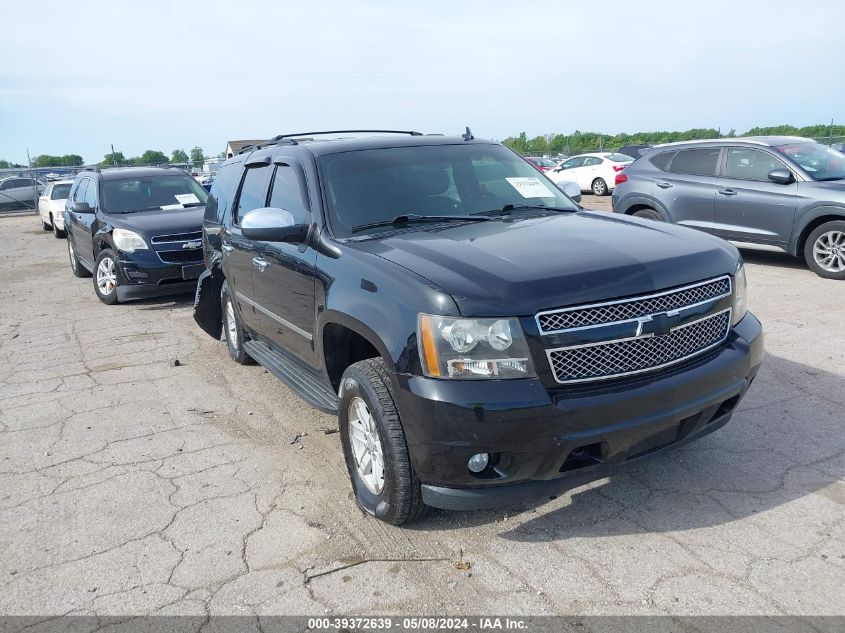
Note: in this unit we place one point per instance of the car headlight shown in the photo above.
(453, 347)
(740, 294)
(128, 241)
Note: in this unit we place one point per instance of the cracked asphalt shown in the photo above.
(131, 486)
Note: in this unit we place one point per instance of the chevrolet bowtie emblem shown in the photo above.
(194, 244)
(658, 324)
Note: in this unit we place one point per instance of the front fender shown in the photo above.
(807, 216)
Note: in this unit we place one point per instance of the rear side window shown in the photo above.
(661, 160)
(696, 162)
(253, 191)
(287, 193)
(222, 193)
(592, 161)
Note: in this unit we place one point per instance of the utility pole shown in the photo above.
(32, 179)
(830, 133)
(113, 161)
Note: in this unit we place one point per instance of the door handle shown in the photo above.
(664, 185)
(727, 192)
(260, 263)
(227, 248)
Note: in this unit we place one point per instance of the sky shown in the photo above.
(76, 77)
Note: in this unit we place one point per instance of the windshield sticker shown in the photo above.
(187, 198)
(530, 187)
(171, 207)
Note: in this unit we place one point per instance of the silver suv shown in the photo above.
(780, 193)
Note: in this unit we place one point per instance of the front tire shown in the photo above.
(45, 226)
(105, 277)
(374, 446)
(233, 328)
(76, 268)
(599, 187)
(824, 250)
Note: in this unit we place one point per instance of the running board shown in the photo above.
(305, 381)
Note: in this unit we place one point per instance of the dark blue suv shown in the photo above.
(778, 193)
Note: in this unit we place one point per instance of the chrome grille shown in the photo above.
(564, 319)
(622, 357)
(177, 237)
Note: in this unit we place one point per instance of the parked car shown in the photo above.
(138, 230)
(543, 164)
(593, 172)
(18, 192)
(51, 206)
(481, 338)
(773, 192)
(634, 151)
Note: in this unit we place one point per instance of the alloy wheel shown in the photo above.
(231, 324)
(829, 251)
(366, 445)
(106, 276)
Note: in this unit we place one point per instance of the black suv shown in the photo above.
(781, 193)
(137, 229)
(481, 338)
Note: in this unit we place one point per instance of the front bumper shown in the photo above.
(143, 274)
(545, 442)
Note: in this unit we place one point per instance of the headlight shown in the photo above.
(740, 294)
(128, 241)
(452, 347)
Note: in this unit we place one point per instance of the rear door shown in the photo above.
(284, 282)
(238, 251)
(687, 188)
(749, 206)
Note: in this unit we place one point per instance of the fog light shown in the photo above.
(478, 462)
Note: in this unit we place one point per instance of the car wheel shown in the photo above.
(45, 226)
(377, 459)
(105, 277)
(824, 250)
(599, 187)
(78, 269)
(232, 328)
(56, 230)
(648, 214)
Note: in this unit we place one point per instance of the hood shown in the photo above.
(518, 268)
(158, 222)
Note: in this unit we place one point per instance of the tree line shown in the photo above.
(149, 157)
(579, 142)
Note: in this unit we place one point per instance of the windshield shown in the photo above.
(144, 193)
(820, 162)
(60, 192)
(377, 185)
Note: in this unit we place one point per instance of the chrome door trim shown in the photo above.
(273, 315)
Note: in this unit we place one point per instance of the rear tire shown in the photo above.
(368, 417)
(76, 268)
(56, 230)
(599, 187)
(649, 214)
(233, 329)
(824, 250)
(105, 277)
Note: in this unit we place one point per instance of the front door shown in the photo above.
(749, 206)
(284, 280)
(239, 253)
(80, 228)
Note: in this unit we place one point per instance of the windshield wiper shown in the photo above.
(410, 218)
(508, 208)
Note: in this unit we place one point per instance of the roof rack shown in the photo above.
(289, 139)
